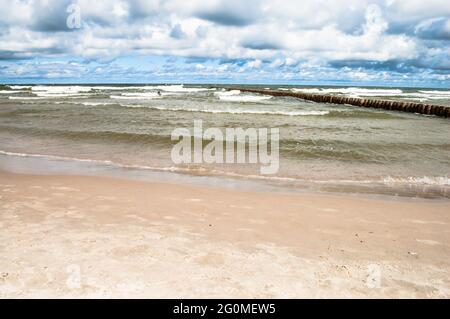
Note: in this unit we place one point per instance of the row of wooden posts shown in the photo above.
(421, 108)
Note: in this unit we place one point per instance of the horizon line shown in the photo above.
(224, 84)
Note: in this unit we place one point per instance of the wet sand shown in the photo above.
(86, 237)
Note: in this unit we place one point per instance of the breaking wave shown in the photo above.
(352, 91)
(235, 96)
(425, 180)
(420, 95)
(235, 111)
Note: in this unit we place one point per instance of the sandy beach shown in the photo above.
(86, 237)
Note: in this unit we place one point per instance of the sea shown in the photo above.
(322, 147)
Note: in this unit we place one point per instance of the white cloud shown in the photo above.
(255, 64)
(278, 34)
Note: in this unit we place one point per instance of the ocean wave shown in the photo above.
(52, 157)
(104, 135)
(11, 92)
(391, 181)
(363, 92)
(235, 96)
(235, 111)
(436, 92)
(425, 180)
(95, 103)
(120, 88)
(426, 96)
(19, 87)
(148, 96)
(244, 98)
(354, 91)
(43, 89)
(179, 89)
(103, 162)
(62, 95)
(227, 93)
(418, 99)
(164, 88)
(25, 98)
(29, 98)
(440, 181)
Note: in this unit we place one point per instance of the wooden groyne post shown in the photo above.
(421, 108)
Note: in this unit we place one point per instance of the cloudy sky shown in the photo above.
(386, 42)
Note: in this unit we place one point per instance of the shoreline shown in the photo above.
(92, 236)
(389, 188)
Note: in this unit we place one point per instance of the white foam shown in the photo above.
(60, 91)
(136, 97)
(179, 89)
(61, 95)
(164, 88)
(365, 92)
(244, 98)
(235, 96)
(120, 88)
(235, 111)
(436, 92)
(313, 91)
(146, 95)
(19, 87)
(418, 99)
(25, 98)
(95, 103)
(73, 89)
(351, 91)
(104, 162)
(227, 93)
(152, 168)
(429, 96)
(425, 180)
(10, 92)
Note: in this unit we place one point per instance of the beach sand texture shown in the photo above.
(86, 237)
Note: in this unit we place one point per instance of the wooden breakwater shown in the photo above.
(421, 108)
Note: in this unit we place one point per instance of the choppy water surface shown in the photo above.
(323, 146)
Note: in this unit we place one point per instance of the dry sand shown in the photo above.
(65, 236)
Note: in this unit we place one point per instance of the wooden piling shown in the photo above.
(421, 108)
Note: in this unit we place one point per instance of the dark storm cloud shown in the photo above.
(260, 45)
(399, 66)
(50, 16)
(29, 54)
(392, 65)
(238, 62)
(230, 13)
(196, 59)
(438, 29)
(226, 18)
(11, 55)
